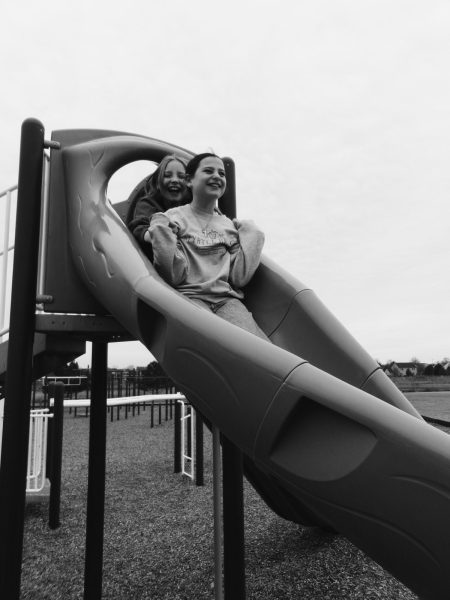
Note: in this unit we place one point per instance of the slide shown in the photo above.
(328, 440)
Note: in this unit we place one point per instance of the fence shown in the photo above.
(129, 403)
(38, 432)
(423, 383)
(119, 384)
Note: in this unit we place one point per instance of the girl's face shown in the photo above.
(209, 181)
(172, 183)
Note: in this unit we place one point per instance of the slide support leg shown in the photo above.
(56, 459)
(14, 452)
(96, 476)
(217, 472)
(233, 522)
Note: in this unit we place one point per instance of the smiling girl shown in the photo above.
(163, 189)
(204, 254)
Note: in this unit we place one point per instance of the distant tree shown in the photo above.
(429, 369)
(154, 369)
(438, 369)
(67, 370)
(419, 365)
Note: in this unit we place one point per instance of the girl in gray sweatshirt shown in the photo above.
(204, 254)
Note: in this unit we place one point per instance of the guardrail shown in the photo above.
(8, 198)
(8, 206)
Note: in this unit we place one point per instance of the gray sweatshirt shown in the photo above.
(203, 256)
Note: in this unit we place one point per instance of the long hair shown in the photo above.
(150, 187)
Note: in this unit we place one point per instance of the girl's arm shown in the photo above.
(168, 256)
(139, 220)
(246, 255)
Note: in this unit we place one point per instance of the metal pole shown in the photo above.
(227, 202)
(218, 577)
(4, 275)
(233, 522)
(96, 476)
(56, 462)
(19, 365)
(177, 439)
(199, 462)
(189, 413)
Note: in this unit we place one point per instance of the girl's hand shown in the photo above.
(247, 224)
(163, 219)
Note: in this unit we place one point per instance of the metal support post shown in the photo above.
(177, 440)
(199, 462)
(233, 522)
(56, 460)
(217, 471)
(20, 355)
(96, 476)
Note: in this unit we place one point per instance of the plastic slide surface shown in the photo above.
(328, 439)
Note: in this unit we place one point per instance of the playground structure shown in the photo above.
(327, 440)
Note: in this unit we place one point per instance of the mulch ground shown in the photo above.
(158, 541)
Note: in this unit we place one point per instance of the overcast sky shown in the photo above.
(337, 114)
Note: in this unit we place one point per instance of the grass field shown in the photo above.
(435, 405)
(159, 533)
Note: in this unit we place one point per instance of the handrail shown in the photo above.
(6, 249)
(12, 188)
(44, 224)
